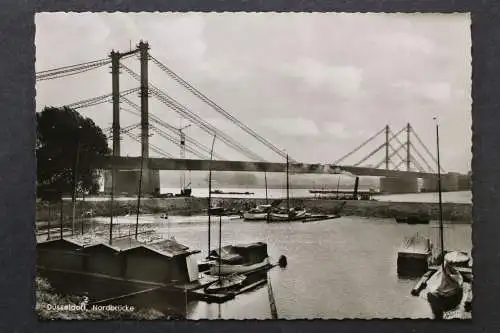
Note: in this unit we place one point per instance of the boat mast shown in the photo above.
(139, 197)
(210, 193)
(220, 242)
(338, 184)
(265, 182)
(441, 231)
(287, 190)
(111, 208)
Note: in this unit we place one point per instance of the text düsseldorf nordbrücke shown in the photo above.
(84, 307)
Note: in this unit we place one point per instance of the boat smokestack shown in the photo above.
(356, 185)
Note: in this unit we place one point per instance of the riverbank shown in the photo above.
(52, 306)
(452, 212)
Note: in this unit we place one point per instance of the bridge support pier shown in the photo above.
(127, 182)
(449, 182)
(399, 184)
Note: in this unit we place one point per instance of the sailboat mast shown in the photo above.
(265, 182)
(441, 231)
(210, 194)
(220, 242)
(112, 202)
(338, 184)
(287, 189)
(139, 198)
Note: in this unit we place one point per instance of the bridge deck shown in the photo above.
(134, 163)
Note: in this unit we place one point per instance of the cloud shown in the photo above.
(340, 130)
(291, 126)
(406, 42)
(438, 92)
(342, 80)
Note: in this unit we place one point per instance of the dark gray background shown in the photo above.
(17, 163)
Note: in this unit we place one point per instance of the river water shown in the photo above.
(259, 193)
(342, 268)
(275, 193)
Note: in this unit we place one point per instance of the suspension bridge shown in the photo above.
(399, 162)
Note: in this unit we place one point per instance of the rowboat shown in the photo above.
(291, 215)
(227, 269)
(259, 213)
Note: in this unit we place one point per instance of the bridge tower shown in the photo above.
(130, 181)
(399, 152)
(149, 180)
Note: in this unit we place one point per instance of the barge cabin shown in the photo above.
(160, 263)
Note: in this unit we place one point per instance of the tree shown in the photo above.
(66, 139)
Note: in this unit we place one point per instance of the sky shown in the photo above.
(315, 85)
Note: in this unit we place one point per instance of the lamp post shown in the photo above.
(441, 231)
(75, 175)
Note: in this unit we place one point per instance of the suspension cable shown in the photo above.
(152, 146)
(180, 109)
(176, 142)
(422, 158)
(218, 108)
(98, 100)
(359, 147)
(371, 154)
(157, 120)
(70, 71)
(425, 147)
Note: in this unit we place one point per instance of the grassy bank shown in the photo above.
(47, 299)
(453, 212)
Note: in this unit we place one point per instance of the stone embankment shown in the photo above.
(452, 212)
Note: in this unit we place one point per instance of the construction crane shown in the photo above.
(185, 190)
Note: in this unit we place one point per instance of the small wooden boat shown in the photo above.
(241, 258)
(445, 289)
(414, 256)
(413, 219)
(226, 283)
(227, 269)
(259, 213)
(293, 214)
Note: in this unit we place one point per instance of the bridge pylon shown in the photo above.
(399, 154)
(146, 181)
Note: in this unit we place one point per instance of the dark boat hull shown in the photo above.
(440, 304)
(413, 220)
